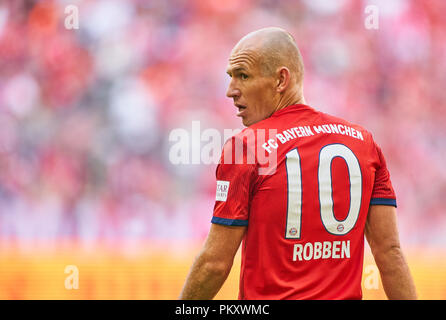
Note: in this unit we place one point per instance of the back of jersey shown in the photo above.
(306, 217)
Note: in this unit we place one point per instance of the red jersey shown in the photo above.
(303, 184)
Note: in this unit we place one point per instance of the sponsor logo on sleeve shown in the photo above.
(222, 190)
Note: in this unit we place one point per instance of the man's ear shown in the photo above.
(283, 80)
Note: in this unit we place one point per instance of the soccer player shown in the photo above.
(302, 220)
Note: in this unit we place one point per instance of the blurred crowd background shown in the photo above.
(86, 113)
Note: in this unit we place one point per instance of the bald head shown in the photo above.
(274, 48)
(266, 73)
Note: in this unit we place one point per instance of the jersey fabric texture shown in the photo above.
(302, 182)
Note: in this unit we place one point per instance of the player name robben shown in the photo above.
(321, 250)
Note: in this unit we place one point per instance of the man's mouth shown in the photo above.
(241, 108)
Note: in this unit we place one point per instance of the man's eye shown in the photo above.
(244, 76)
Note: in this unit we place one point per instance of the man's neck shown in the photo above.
(290, 100)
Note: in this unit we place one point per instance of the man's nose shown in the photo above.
(232, 92)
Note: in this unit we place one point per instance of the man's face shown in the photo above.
(253, 92)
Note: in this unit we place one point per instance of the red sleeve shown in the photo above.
(383, 193)
(236, 174)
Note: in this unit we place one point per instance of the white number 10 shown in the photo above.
(294, 177)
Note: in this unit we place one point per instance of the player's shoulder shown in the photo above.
(290, 115)
(241, 142)
(326, 118)
(250, 134)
